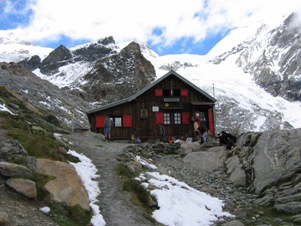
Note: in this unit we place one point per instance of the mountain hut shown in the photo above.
(171, 100)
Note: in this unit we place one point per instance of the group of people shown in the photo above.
(200, 132)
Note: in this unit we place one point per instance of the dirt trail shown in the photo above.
(115, 204)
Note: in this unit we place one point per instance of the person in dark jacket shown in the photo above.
(226, 139)
(161, 132)
(204, 132)
(108, 123)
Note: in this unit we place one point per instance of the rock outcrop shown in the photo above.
(269, 165)
(67, 186)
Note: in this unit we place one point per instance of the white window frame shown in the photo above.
(166, 118)
(177, 118)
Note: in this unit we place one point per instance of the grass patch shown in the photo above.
(124, 170)
(140, 196)
(41, 180)
(70, 216)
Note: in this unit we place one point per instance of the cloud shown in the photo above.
(157, 22)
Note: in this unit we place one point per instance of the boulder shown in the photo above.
(12, 151)
(211, 159)
(67, 186)
(276, 157)
(235, 169)
(23, 186)
(9, 148)
(8, 169)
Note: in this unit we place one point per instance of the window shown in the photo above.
(176, 92)
(171, 93)
(177, 118)
(166, 92)
(202, 117)
(117, 121)
(166, 118)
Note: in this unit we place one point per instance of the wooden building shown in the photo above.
(170, 100)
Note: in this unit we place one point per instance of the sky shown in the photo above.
(168, 27)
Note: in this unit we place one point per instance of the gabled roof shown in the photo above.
(139, 93)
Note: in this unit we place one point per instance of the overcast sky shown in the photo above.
(167, 26)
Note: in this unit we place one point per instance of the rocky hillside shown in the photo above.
(65, 107)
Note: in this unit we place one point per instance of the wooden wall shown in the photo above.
(146, 126)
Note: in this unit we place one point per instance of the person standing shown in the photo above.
(161, 132)
(204, 133)
(196, 129)
(107, 128)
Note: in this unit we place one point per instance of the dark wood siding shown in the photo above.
(192, 103)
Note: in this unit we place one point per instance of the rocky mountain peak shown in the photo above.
(119, 75)
(96, 50)
(57, 58)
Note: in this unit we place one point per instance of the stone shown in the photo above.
(67, 186)
(211, 159)
(14, 170)
(232, 163)
(238, 177)
(23, 186)
(276, 156)
(10, 147)
(37, 130)
(291, 207)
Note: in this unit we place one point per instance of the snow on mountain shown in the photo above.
(17, 52)
(13, 50)
(67, 75)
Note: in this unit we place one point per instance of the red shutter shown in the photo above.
(100, 121)
(158, 92)
(159, 118)
(211, 120)
(127, 121)
(185, 118)
(184, 92)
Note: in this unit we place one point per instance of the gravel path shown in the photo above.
(115, 204)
